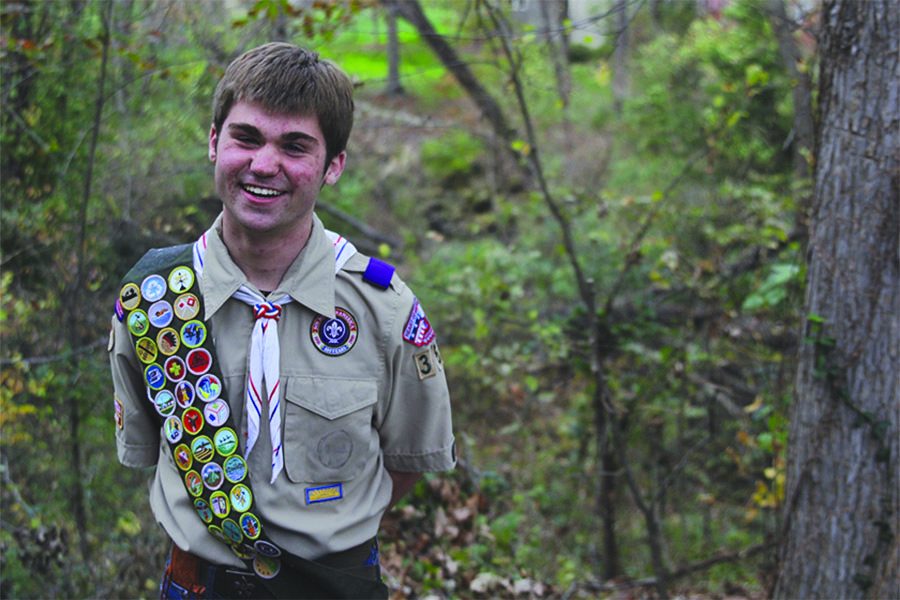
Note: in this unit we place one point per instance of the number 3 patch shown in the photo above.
(427, 362)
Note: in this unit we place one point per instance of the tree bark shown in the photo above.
(394, 87)
(840, 537)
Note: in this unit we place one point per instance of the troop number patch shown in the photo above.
(336, 336)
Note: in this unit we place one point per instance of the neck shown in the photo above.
(264, 257)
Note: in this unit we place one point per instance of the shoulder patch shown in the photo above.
(418, 330)
(379, 273)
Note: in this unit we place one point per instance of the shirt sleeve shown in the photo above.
(137, 430)
(416, 428)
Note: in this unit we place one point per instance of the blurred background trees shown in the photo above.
(602, 204)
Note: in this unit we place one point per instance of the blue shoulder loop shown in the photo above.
(379, 273)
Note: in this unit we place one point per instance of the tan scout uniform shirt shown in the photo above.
(347, 419)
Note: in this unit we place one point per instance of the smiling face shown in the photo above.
(269, 168)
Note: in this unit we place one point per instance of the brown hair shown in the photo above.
(285, 78)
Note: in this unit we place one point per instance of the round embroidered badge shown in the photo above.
(181, 279)
(193, 483)
(130, 296)
(334, 337)
(203, 510)
(153, 288)
(235, 469)
(160, 314)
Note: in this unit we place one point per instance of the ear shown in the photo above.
(335, 168)
(213, 143)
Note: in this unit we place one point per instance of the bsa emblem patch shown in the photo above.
(337, 336)
(266, 567)
(418, 330)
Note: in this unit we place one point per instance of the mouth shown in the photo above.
(263, 193)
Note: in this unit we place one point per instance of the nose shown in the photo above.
(264, 161)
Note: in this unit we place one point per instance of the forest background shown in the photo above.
(605, 215)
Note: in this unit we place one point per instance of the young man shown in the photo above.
(288, 389)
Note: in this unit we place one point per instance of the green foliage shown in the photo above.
(697, 353)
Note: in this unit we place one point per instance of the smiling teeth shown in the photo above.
(259, 191)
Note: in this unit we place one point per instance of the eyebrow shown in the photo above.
(290, 136)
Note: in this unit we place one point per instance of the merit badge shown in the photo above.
(154, 377)
(209, 387)
(266, 548)
(120, 413)
(202, 449)
(138, 323)
(193, 333)
(232, 531)
(418, 330)
(216, 412)
(243, 551)
(216, 532)
(130, 296)
(202, 508)
(187, 306)
(241, 497)
(226, 441)
(198, 361)
(173, 429)
(181, 279)
(212, 476)
(160, 314)
(153, 288)
(193, 420)
(193, 483)
(167, 341)
(182, 456)
(266, 567)
(250, 526)
(175, 369)
(336, 336)
(235, 469)
(184, 394)
(324, 493)
(146, 350)
(165, 403)
(218, 502)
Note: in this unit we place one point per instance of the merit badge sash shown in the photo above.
(164, 315)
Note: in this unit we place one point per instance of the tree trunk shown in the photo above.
(411, 10)
(840, 537)
(394, 87)
(621, 78)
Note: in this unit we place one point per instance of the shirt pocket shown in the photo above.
(328, 433)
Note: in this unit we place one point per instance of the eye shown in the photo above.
(294, 148)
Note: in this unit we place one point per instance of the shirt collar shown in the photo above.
(309, 280)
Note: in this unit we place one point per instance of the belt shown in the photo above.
(189, 576)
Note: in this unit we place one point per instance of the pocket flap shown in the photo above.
(331, 398)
